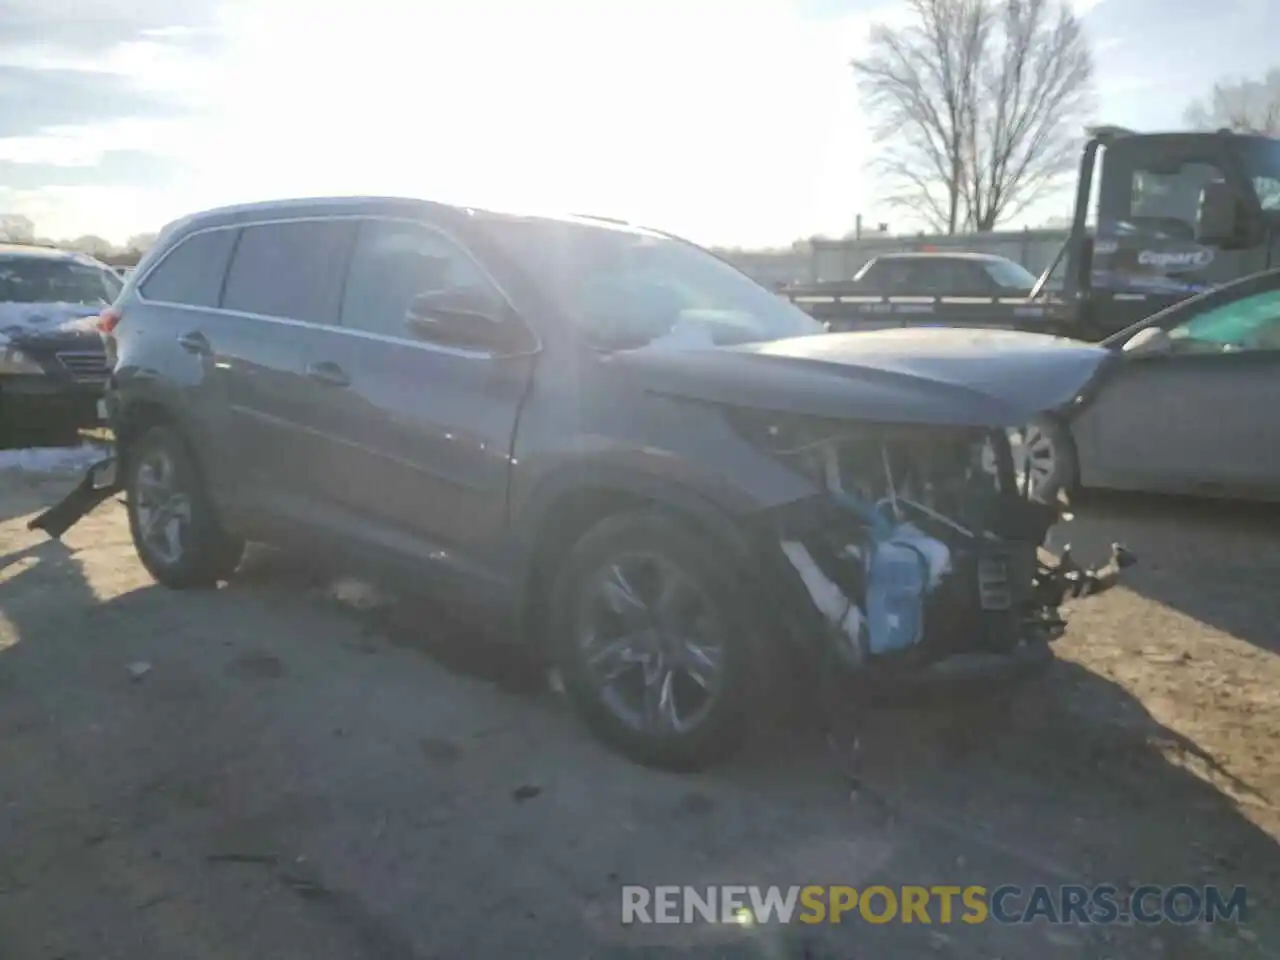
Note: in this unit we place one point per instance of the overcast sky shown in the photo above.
(731, 121)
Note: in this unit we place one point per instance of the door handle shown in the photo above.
(194, 342)
(328, 373)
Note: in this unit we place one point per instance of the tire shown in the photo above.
(1054, 467)
(205, 552)
(635, 543)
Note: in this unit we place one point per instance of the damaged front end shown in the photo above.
(919, 556)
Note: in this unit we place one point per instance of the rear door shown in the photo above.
(1200, 416)
(282, 288)
(165, 346)
(417, 439)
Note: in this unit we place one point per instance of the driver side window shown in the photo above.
(395, 261)
(1250, 323)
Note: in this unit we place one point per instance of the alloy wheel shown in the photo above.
(652, 644)
(163, 508)
(1035, 459)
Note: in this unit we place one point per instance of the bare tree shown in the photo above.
(140, 242)
(17, 227)
(1245, 106)
(977, 104)
(94, 246)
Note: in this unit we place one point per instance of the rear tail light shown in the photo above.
(108, 319)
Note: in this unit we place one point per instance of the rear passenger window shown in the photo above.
(290, 270)
(393, 262)
(191, 273)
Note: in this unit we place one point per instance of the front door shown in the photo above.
(1199, 414)
(417, 433)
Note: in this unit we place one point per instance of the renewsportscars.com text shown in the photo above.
(937, 904)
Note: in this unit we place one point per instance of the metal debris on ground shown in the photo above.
(139, 669)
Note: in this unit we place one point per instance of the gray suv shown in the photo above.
(597, 440)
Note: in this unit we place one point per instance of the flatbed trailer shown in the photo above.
(862, 312)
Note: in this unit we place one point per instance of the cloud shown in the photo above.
(69, 63)
(92, 94)
(36, 99)
(90, 26)
(127, 168)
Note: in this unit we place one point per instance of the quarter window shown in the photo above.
(395, 261)
(192, 272)
(291, 270)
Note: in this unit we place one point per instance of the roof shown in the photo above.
(37, 251)
(575, 219)
(940, 255)
(355, 205)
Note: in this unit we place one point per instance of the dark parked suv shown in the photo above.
(52, 367)
(601, 440)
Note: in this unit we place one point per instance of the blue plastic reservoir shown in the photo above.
(896, 584)
(897, 579)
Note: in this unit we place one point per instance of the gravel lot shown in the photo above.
(283, 775)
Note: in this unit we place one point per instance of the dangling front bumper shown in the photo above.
(100, 482)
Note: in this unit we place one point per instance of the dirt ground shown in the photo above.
(263, 771)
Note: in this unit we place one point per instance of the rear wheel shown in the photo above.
(652, 637)
(173, 521)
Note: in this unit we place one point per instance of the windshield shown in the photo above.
(627, 289)
(39, 280)
(1010, 275)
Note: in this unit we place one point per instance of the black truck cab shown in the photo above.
(1158, 217)
(1176, 213)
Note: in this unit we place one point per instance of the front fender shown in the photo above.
(716, 509)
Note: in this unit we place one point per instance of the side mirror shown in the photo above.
(1149, 341)
(460, 317)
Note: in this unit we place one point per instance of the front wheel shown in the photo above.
(1044, 458)
(652, 636)
(171, 516)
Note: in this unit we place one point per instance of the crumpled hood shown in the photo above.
(934, 375)
(39, 321)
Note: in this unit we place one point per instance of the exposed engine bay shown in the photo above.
(922, 545)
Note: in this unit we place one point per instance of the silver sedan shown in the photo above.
(1191, 405)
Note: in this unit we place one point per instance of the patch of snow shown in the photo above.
(19, 316)
(52, 460)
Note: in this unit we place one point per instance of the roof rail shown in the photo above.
(596, 216)
(43, 244)
(627, 223)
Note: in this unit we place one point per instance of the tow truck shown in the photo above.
(1158, 217)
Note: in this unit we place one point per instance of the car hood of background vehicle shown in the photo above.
(73, 322)
(930, 375)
